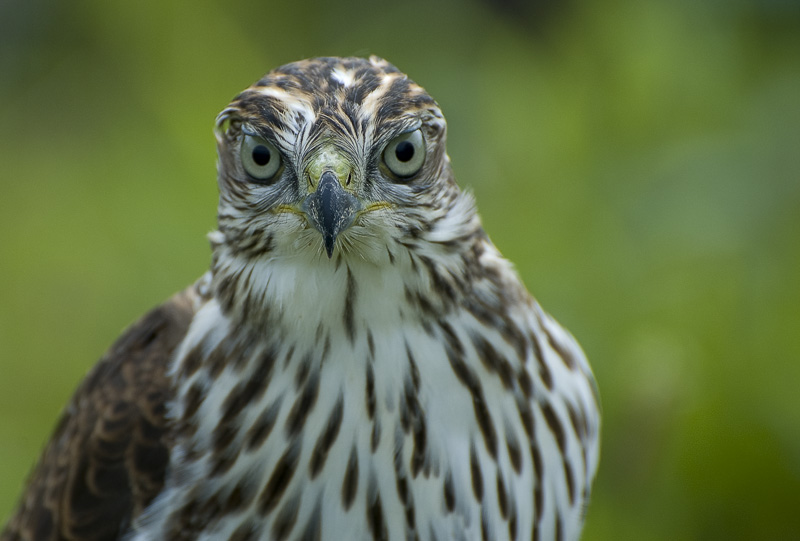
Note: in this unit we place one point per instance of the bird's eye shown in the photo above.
(405, 153)
(260, 158)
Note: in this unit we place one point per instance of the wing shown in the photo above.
(107, 457)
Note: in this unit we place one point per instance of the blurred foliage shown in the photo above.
(638, 160)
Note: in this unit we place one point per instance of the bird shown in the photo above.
(359, 362)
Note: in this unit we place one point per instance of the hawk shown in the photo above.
(359, 362)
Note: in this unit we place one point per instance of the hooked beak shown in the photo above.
(330, 209)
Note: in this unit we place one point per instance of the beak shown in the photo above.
(330, 209)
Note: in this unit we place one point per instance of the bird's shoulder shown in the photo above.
(107, 456)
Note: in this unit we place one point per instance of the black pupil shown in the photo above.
(261, 155)
(404, 151)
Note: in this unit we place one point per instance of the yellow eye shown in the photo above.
(405, 154)
(260, 158)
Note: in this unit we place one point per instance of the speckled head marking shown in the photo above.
(328, 114)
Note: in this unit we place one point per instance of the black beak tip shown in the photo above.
(329, 242)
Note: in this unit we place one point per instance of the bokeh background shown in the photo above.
(638, 160)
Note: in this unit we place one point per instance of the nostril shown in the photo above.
(349, 176)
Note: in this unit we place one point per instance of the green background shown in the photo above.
(639, 161)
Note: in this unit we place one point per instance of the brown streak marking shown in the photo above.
(370, 344)
(285, 519)
(402, 487)
(485, 424)
(411, 518)
(350, 482)
(526, 416)
(502, 497)
(192, 400)
(261, 429)
(222, 437)
(477, 476)
(570, 481)
(349, 300)
(326, 439)
(492, 316)
(376, 521)
(375, 439)
(303, 406)
(417, 420)
(525, 382)
(413, 367)
(559, 532)
(313, 531)
(467, 377)
(234, 501)
(439, 284)
(555, 426)
(512, 523)
(245, 532)
(424, 304)
(544, 370)
(449, 492)
(566, 356)
(302, 372)
(191, 362)
(370, 392)
(514, 452)
(218, 358)
(249, 390)
(279, 480)
(578, 422)
(492, 360)
(538, 502)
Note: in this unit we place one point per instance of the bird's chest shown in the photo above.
(330, 435)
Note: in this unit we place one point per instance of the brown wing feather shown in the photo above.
(107, 457)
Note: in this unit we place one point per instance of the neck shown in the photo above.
(300, 292)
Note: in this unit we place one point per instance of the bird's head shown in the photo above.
(334, 157)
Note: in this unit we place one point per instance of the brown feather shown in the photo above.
(107, 456)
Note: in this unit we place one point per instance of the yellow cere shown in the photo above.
(328, 158)
(288, 208)
(378, 205)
